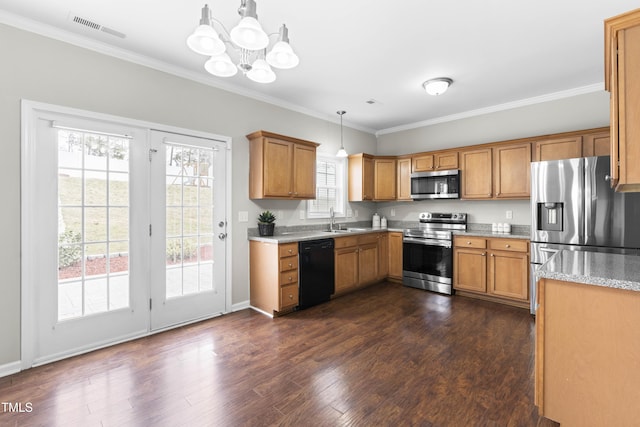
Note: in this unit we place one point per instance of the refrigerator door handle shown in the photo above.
(590, 197)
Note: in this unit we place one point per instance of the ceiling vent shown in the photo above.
(95, 26)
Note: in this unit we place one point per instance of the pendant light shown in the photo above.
(341, 152)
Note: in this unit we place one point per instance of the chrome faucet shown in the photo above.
(332, 214)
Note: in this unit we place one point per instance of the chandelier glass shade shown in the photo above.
(249, 42)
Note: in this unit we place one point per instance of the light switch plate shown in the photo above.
(509, 214)
(243, 216)
(349, 213)
(302, 215)
(393, 212)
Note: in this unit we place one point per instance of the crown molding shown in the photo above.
(65, 36)
(495, 108)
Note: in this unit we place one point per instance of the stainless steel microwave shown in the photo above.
(436, 185)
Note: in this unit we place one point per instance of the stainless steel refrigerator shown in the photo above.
(573, 207)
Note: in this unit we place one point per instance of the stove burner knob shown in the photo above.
(455, 216)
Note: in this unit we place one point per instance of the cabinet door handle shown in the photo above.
(290, 251)
(290, 265)
(289, 192)
(468, 243)
(484, 254)
(507, 246)
(491, 254)
(489, 195)
(290, 296)
(290, 278)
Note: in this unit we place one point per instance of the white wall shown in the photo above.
(575, 113)
(45, 70)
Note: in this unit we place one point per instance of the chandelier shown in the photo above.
(248, 40)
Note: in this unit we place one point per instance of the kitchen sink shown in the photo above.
(337, 231)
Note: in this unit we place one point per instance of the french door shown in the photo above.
(123, 233)
(188, 239)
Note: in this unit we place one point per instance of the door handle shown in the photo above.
(222, 236)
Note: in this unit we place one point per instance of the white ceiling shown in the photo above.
(497, 51)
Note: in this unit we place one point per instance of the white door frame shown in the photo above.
(30, 111)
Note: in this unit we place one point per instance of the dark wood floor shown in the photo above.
(385, 355)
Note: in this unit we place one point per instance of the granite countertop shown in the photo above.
(299, 236)
(489, 233)
(302, 235)
(593, 268)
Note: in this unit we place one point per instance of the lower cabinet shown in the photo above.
(496, 269)
(395, 256)
(357, 261)
(273, 276)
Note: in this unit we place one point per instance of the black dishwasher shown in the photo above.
(316, 274)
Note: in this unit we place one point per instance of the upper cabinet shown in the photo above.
(558, 148)
(281, 167)
(511, 171)
(425, 162)
(372, 178)
(622, 79)
(499, 172)
(587, 143)
(360, 177)
(403, 175)
(384, 178)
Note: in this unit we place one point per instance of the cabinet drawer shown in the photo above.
(289, 296)
(509, 245)
(470, 242)
(288, 249)
(366, 239)
(345, 242)
(288, 263)
(289, 277)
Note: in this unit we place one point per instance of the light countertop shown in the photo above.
(593, 268)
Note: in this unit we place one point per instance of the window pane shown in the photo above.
(93, 223)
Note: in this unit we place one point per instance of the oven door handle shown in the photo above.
(427, 242)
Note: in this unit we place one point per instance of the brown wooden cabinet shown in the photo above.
(511, 171)
(384, 176)
(477, 174)
(496, 269)
(596, 144)
(356, 261)
(403, 184)
(498, 172)
(281, 167)
(361, 177)
(622, 79)
(425, 162)
(383, 255)
(586, 359)
(273, 276)
(558, 148)
(395, 256)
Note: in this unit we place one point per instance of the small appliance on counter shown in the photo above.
(376, 221)
(427, 251)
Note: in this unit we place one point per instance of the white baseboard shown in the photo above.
(10, 368)
(240, 306)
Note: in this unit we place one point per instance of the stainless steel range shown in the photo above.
(427, 257)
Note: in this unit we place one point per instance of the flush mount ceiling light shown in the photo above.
(437, 86)
(341, 152)
(248, 40)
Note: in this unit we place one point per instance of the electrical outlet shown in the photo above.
(243, 216)
(302, 215)
(509, 214)
(393, 212)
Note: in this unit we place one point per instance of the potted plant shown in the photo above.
(266, 223)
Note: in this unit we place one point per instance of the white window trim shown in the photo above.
(340, 213)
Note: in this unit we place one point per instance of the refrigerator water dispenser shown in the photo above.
(550, 216)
